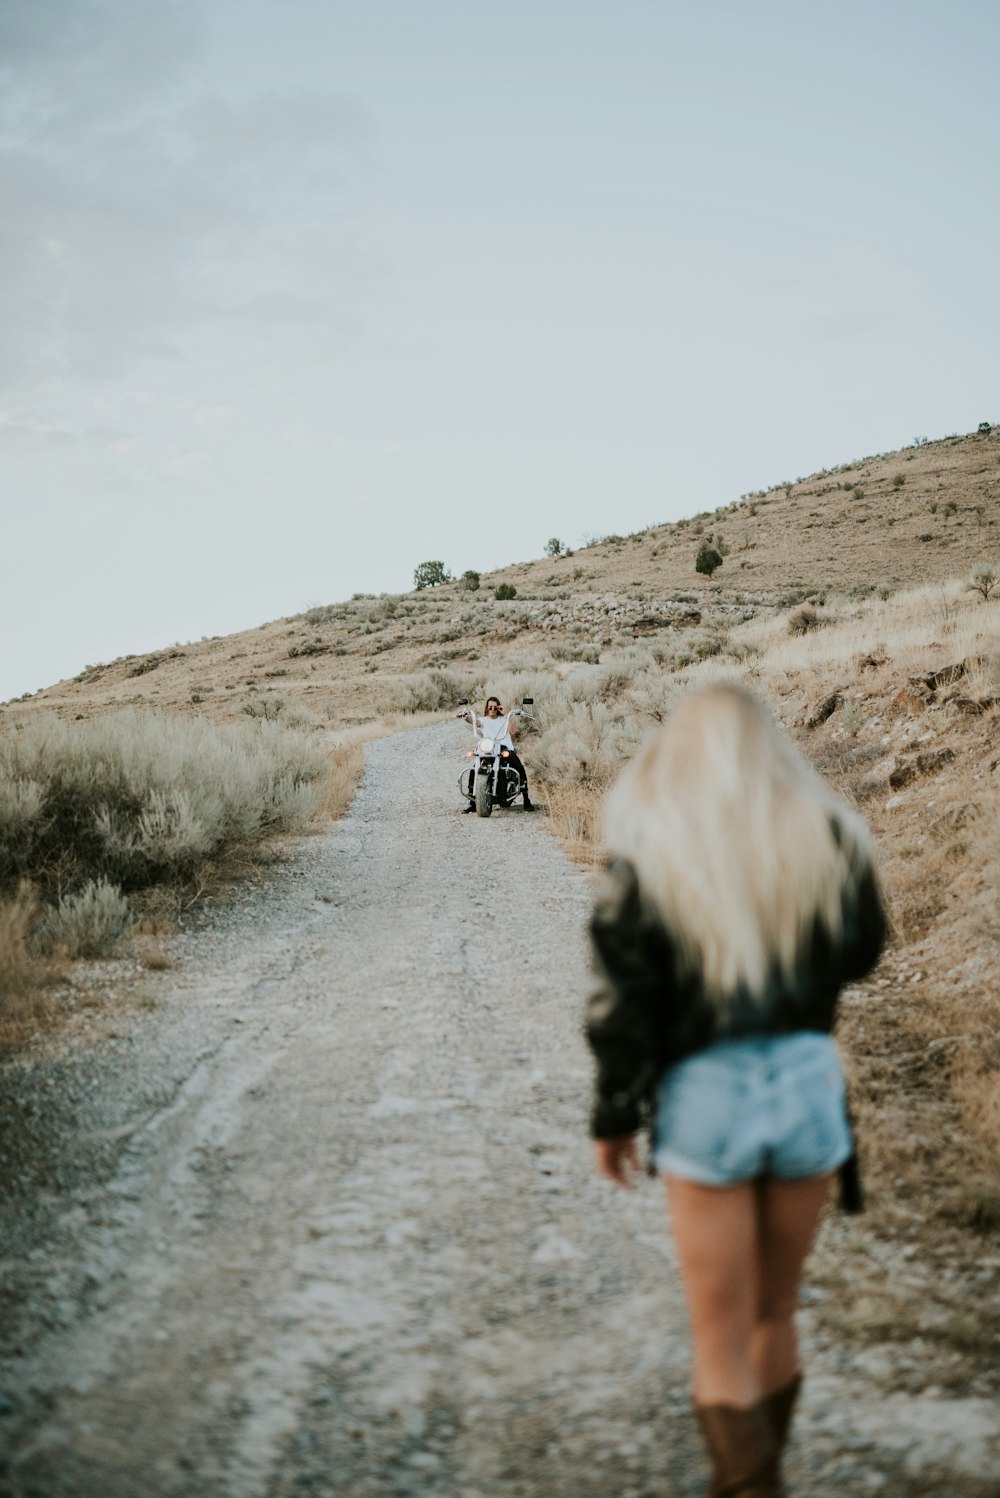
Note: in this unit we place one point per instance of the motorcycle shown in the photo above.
(490, 781)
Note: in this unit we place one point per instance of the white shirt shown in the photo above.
(497, 729)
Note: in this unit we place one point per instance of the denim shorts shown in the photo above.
(746, 1108)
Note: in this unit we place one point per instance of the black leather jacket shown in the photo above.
(643, 1016)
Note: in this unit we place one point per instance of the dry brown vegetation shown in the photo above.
(25, 975)
(843, 598)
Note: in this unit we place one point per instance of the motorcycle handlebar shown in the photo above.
(510, 712)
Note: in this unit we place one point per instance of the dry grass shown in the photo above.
(573, 812)
(153, 954)
(347, 766)
(940, 619)
(25, 976)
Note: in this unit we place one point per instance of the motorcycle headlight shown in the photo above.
(485, 746)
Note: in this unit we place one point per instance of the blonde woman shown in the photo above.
(740, 896)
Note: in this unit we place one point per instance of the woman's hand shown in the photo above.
(618, 1159)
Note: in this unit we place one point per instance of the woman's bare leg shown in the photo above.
(788, 1214)
(717, 1235)
(742, 1249)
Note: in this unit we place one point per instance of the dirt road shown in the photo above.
(323, 1220)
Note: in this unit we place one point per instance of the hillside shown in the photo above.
(897, 520)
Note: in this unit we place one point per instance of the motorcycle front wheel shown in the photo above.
(484, 796)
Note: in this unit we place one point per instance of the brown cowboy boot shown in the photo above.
(743, 1451)
(779, 1408)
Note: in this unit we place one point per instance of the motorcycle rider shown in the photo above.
(491, 713)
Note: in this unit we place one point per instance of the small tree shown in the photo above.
(554, 547)
(430, 575)
(505, 590)
(707, 560)
(469, 581)
(984, 581)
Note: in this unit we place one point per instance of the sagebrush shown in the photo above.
(138, 798)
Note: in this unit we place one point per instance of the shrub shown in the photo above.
(269, 707)
(984, 428)
(428, 692)
(90, 923)
(802, 619)
(571, 649)
(307, 647)
(137, 799)
(469, 581)
(984, 581)
(272, 706)
(505, 590)
(430, 575)
(708, 559)
(853, 718)
(554, 547)
(320, 613)
(708, 642)
(899, 480)
(588, 744)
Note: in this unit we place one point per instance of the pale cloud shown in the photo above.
(212, 417)
(145, 216)
(27, 435)
(185, 464)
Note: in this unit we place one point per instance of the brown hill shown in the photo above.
(895, 520)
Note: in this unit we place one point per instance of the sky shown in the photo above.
(294, 296)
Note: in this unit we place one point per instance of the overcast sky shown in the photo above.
(297, 295)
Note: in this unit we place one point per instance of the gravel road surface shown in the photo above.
(322, 1219)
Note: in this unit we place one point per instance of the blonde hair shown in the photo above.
(737, 843)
